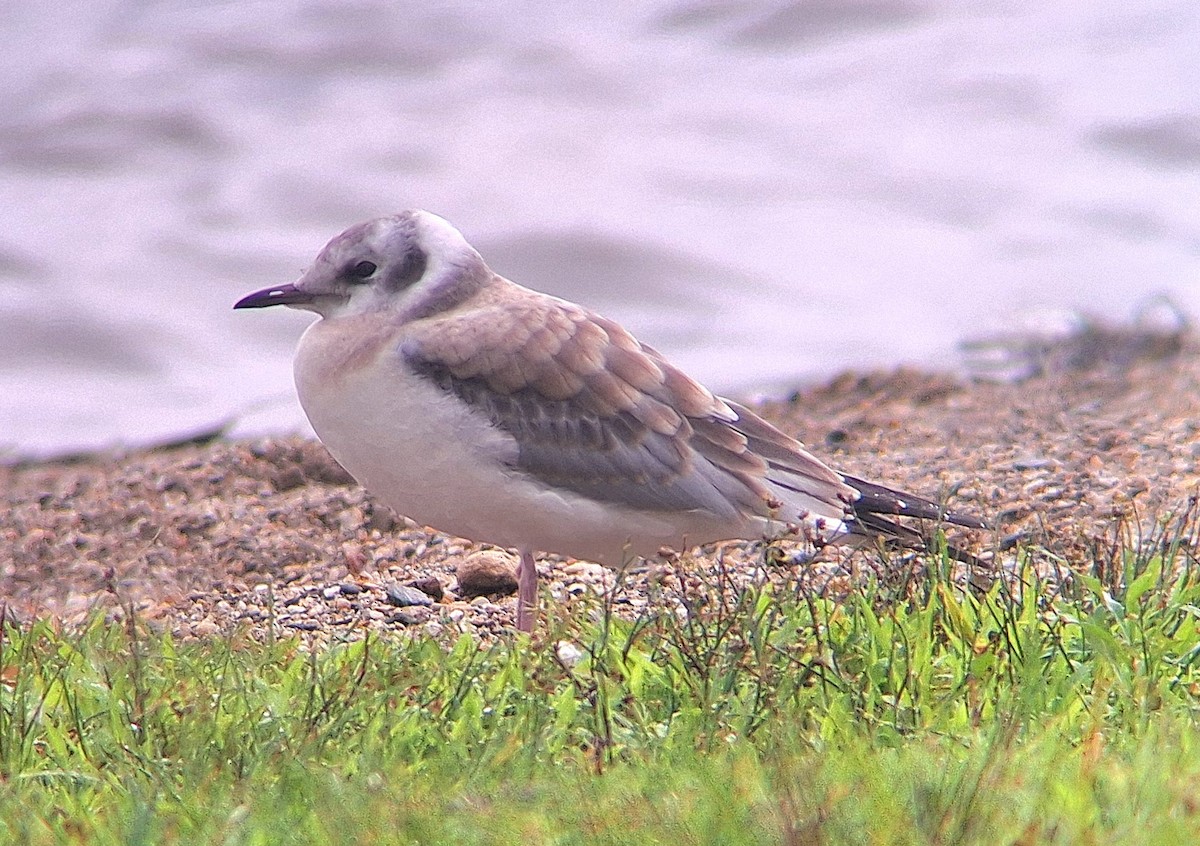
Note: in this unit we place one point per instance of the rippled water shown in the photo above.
(766, 191)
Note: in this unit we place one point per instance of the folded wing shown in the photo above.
(595, 412)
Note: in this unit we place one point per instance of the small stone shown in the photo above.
(404, 596)
(350, 588)
(800, 557)
(286, 478)
(585, 569)
(430, 586)
(303, 625)
(331, 591)
(356, 559)
(486, 573)
(382, 520)
(404, 618)
(835, 437)
(568, 653)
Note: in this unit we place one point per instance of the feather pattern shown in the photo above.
(594, 411)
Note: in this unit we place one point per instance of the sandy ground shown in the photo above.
(272, 535)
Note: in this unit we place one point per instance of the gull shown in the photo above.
(503, 415)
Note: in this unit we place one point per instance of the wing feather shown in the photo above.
(595, 412)
(591, 409)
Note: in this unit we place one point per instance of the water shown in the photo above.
(766, 191)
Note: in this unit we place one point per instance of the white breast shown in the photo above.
(423, 452)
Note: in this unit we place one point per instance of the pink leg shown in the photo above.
(526, 592)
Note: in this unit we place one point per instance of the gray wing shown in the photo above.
(595, 412)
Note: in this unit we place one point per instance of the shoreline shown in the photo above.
(209, 537)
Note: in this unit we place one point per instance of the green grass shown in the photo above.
(911, 714)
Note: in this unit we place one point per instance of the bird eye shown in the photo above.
(363, 270)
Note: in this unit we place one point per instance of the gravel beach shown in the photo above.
(272, 537)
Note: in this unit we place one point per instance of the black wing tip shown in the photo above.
(969, 521)
(877, 499)
(874, 525)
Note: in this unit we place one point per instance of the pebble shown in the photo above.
(568, 653)
(404, 618)
(430, 586)
(403, 596)
(586, 569)
(486, 573)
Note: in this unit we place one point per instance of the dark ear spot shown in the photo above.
(408, 270)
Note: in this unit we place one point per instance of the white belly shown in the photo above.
(422, 452)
